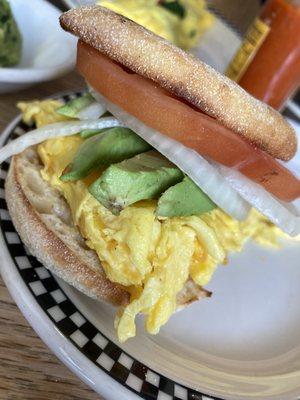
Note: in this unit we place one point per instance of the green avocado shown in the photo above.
(10, 37)
(184, 199)
(73, 107)
(87, 133)
(111, 146)
(142, 177)
(175, 7)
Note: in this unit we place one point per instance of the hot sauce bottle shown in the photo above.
(267, 64)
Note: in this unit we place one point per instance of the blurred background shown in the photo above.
(239, 13)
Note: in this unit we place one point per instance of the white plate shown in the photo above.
(78, 3)
(243, 343)
(47, 51)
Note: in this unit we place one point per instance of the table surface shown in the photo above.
(28, 369)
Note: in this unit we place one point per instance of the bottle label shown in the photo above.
(253, 40)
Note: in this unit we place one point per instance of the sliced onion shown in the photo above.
(190, 162)
(92, 111)
(284, 215)
(51, 131)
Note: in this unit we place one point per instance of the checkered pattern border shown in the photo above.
(105, 354)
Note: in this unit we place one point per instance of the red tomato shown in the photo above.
(164, 112)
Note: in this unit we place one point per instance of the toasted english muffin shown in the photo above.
(182, 74)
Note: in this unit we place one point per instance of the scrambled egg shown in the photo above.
(152, 258)
(184, 32)
(41, 112)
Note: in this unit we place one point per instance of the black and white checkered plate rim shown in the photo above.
(51, 300)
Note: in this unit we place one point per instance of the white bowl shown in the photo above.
(47, 52)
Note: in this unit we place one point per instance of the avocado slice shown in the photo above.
(87, 133)
(175, 7)
(10, 37)
(142, 177)
(73, 107)
(111, 146)
(184, 199)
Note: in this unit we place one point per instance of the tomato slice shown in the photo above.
(166, 113)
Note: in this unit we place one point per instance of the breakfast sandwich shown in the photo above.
(137, 190)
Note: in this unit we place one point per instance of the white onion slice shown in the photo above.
(51, 131)
(284, 215)
(92, 111)
(196, 167)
